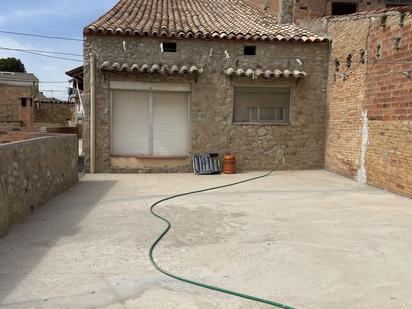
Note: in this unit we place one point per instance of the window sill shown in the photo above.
(262, 123)
(150, 157)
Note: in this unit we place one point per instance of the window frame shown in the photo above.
(151, 91)
(166, 49)
(264, 122)
(343, 3)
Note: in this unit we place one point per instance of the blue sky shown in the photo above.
(48, 17)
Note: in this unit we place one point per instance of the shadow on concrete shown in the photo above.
(26, 244)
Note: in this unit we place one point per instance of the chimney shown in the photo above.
(285, 11)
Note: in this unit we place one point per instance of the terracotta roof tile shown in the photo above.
(150, 68)
(203, 19)
(252, 73)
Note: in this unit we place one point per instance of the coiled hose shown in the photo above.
(211, 287)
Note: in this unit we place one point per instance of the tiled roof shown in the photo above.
(21, 77)
(255, 73)
(151, 68)
(203, 19)
(41, 98)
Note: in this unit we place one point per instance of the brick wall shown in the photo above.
(346, 96)
(54, 113)
(307, 9)
(378, 149)
(389, 103)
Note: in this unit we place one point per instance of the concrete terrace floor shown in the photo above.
(310, 239)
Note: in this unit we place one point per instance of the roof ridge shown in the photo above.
(203, 19)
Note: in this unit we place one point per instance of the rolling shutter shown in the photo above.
(170, 124)
(130, 122)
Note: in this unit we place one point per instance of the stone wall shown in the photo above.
(212, 128)
(32, 173)
(54, 113)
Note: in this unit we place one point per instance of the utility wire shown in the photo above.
(41, 36)
(39, 54)
(41, 51)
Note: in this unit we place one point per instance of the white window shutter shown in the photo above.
(170, 124)
(130, 122)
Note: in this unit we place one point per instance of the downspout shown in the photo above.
(92, 113)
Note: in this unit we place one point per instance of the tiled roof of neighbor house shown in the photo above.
(151, 68)
(41, 98)
(205, 19)
(255, 73)
(18, 77)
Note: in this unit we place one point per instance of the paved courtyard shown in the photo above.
(310, 239)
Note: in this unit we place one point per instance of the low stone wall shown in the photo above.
(33, 172)
(59, 113)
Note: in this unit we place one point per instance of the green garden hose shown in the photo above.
(211, 287)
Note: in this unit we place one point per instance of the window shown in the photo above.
(343, 8)
(146, 123)
(261, 104)
(26, 102)
(249, 50)
(169, 47)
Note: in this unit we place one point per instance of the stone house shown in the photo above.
(166, 79)
(298, 10)
(17, 94)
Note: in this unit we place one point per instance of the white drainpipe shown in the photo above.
(92, 113)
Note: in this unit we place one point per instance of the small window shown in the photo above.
(343, 8)
(169, 47)
(23, 102)
(261, 104)
(249, 50)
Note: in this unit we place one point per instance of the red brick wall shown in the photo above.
(389, 103)
(389, 90)
(381, 88)
(307, 9)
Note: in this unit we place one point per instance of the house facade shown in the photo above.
(17, 94)
(221, 76)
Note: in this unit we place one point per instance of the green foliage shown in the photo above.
(12, 65)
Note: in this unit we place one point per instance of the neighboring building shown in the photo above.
(76, 91)
(17, 94)
(175, 78)
(52, 112)
(298, 10)
(369, 119)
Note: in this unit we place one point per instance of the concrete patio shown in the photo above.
(310, 239)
